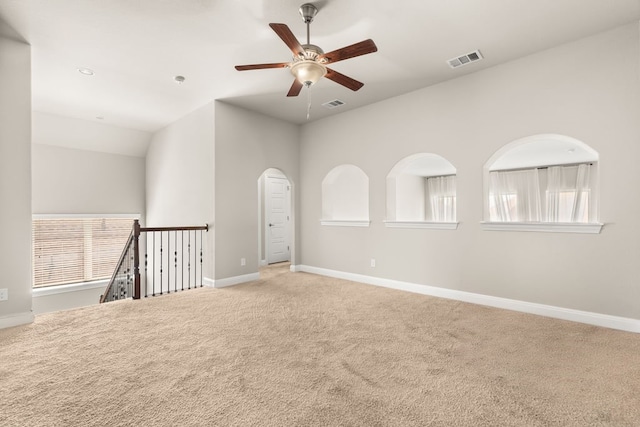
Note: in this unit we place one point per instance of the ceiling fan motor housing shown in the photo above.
(311, 51)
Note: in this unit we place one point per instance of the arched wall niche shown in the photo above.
(421, 192)
(345, 196)
(540, 160)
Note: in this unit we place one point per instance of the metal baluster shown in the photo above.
(200, 258)
(161, 263)
(146, 262)
(125, 292)
(168, 262)
(131, 279)
(182, 257)
(125, 276)
(153, 269)
(195, 257)
(129, 269)
(175, 261)
(127, 283)
(189, 258)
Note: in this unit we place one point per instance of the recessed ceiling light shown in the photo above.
(179, 79)
(86, 71)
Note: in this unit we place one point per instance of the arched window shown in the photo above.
(421, 193)
(345, 197)
(542, 183)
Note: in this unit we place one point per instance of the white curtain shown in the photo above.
(514, 196)
(568, 193)
(441, 194)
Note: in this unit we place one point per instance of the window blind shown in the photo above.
(72, 250)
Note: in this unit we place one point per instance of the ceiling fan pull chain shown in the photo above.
(308, 102)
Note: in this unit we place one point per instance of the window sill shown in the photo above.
(345, 223)
(72, 287)
(544, 227)
(422, 224)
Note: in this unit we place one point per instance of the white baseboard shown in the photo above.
(236, 280)
(16, 319)
(590, 318)
(208, 283)
(263, 263)
(294, 268)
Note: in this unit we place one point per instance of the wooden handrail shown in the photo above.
(191, 228)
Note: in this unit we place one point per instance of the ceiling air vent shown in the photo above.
(333, 104)
(474, 56)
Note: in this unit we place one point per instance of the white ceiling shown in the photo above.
(136, 47)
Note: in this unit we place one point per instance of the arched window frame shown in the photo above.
(592, 157)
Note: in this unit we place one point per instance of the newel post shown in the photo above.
(136, 260)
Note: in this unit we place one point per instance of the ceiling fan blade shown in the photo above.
(296, 87)
(345, 81)
(288, 38)
(358, 49)
(261, 66)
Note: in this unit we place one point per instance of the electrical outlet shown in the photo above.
(243, 262)
(4, 294)
(373, 262)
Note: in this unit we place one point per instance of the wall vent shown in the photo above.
(468, 58)
(333, 104)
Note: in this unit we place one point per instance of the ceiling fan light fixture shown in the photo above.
(308, 72)
(309, 61)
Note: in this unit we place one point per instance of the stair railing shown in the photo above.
(164, 248)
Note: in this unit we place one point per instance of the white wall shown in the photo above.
(246, 144)
(15, 177)
(180, 176)
(66, 297)
(588, 89)
(96, 136)
(70, 181)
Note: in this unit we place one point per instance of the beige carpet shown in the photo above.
(302, 350)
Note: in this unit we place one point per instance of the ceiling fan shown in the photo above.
(309, 61)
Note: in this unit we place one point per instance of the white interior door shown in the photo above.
(277, 219)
